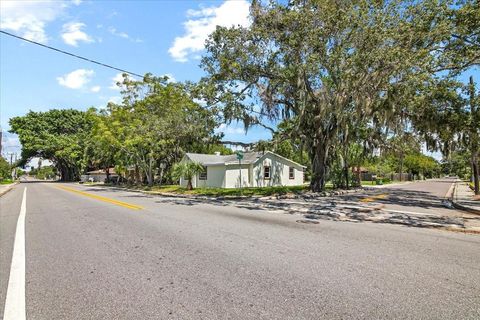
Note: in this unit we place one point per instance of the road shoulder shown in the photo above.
(4, 188)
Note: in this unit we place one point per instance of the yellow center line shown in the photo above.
(373, 198)
(104, 199)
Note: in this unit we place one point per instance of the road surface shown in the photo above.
(420, 197)
(107, 254)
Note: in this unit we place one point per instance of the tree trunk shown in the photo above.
(359, 175)
(476, 174)
(149, 172)
(189, 184)
(149, 175)
(161, 175)
(137, 175)
(107, 173)
(319, 167)
(345, 169)
(401, 167)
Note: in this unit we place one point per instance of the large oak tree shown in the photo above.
(331, 66)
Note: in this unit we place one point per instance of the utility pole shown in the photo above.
(15, 169)
(11, 166)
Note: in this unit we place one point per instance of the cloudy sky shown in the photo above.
(161, 37)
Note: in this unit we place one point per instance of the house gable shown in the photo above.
(286, 161)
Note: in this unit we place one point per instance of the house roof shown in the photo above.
(213, 159)
(248, 158)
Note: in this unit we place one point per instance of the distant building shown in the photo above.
(257, 169)
(99, 175)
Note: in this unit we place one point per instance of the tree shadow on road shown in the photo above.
(332, 208)
(330, 211)
(405, 198)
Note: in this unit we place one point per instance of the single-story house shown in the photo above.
(256, 169)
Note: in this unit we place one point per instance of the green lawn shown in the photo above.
(6, 181)
(267, 191)
(218, 192)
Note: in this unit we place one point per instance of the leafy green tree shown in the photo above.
(48, 172)
(5, 169)
(462, 48)
(187, 170)
(329, 66)
(211, 148)
(58, 135)
(448, 115)
(418, 163)
(381, 166)
(457, 163)
(100, 151)
(157, 122)
(398, 146)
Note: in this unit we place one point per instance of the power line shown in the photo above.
(71, 54)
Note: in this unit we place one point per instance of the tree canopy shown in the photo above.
(58, 135)
(156, 123)
(332, 67)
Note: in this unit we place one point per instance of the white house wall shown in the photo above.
(232, 176)
(215, 178)
(279, 172)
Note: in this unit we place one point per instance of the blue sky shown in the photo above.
(161, 37)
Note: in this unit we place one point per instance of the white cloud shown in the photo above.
(72, 33)
(10, 143)
(76, 79)
(203, 22)
(230, 129)
(117, 79)
(123, 35)
(95, 88)
(120, 34)
(30, 18)
(77, 2)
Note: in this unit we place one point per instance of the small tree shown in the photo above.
(5, 169)
(187, 170)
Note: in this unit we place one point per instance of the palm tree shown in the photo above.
(187, 170)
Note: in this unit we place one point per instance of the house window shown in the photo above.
(266, 172)
(203, 174)
(291, 173)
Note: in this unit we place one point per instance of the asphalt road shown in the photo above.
(91, 259)
(421, 197)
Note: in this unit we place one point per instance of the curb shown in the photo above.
(324, 194)
(461, 206)
(466, 208)
(10, 187)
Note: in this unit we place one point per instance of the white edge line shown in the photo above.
(15, 300)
